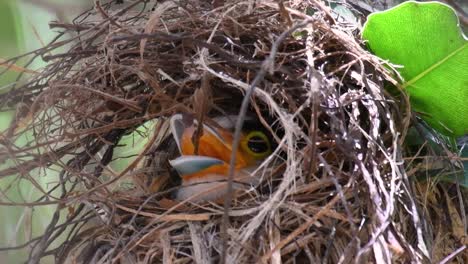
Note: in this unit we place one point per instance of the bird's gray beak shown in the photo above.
(186, 164)
(189, 164)
(179, 123)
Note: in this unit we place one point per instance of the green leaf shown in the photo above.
(436, 163)
(342, 13)
(425, 38)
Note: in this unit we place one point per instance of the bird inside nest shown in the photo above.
(204, 169)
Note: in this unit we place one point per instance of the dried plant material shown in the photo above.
(14, 67)
(335, 188)
(458, 230)
(153, 23)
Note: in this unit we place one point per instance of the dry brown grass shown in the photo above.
(336, 189)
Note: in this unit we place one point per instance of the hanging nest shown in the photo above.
(336, 188)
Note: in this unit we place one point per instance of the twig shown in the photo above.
(453, 255)
(267, 66)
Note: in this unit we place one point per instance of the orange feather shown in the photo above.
(211, 146)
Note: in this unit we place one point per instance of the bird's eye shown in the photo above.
(257, 144)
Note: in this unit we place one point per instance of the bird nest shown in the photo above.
(335, 189)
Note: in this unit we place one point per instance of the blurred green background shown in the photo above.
(24, 27)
